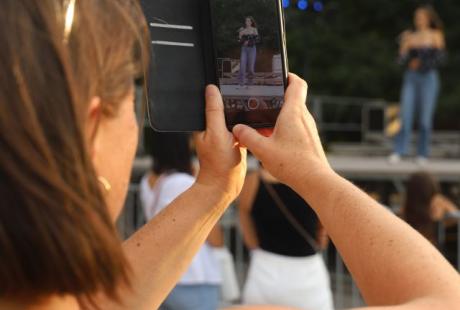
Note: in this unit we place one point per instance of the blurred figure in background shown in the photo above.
(285, 238)
(421, 52)
(170, 176)
(425, 206)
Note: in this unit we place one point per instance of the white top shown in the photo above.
(204, 268)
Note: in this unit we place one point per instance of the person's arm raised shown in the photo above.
(245, 202)
(393, 265)
(162, 250)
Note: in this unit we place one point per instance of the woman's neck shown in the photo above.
(50, 303)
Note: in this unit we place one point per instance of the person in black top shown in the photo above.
(248, 36)
(421, 52)
(284, 236)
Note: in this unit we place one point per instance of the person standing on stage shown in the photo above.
(422, 50)
(248, 37)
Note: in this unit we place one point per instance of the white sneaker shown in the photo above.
(421, 161)
(394, 158)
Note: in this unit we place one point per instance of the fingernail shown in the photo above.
(210, 90)
(237, 129)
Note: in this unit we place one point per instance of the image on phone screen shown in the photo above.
(250, 64)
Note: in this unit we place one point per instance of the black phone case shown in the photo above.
(182, 63)
(177, 76)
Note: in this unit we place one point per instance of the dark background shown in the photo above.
(350, 49)
(229, 16)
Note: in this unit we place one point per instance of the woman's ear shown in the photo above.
(93, 117)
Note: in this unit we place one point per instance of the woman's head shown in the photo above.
(426, 17)
(66, 118)
(421, 188)
(171, 152)
(250, 22)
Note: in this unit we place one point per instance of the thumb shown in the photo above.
(251, 139)
(215, 117)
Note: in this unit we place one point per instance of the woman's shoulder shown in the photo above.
(406, 34)
(437, 32)
(439, 39)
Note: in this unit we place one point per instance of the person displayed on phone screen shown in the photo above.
(248, 37)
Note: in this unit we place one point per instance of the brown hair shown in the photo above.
(56, 235)
(435, 21)
(253, 21)
(420, 191)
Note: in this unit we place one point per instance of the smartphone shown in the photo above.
(250, 59)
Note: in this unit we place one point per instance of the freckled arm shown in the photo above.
(391, 262)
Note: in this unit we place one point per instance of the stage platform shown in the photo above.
(363, 168)
(379, 169)
(252, 91)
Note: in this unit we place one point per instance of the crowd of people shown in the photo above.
(68, 135)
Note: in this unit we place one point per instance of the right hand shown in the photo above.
(222, 161)
(294, 151)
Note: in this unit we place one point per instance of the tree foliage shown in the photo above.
(350, 50)
(229, 16)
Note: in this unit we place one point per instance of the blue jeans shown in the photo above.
(419, 92)
(247, 63)
(193, 297)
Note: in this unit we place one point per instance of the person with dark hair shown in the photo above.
(170, 176)
(425, 206)
(248, 37)
(421, 51)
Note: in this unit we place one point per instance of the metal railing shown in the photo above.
(345, 291)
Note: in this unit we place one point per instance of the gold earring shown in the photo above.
(105, 183)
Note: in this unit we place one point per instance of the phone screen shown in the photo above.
(250, 59)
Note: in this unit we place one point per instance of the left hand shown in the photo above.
(222, 160)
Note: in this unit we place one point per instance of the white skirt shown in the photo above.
(299, 282)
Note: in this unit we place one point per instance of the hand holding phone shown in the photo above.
(295, 143)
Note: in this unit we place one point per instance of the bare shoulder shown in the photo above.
(406, 33)
(439, 39)
(438, 33)
(441, 205)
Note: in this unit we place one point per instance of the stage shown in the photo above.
(364, 168)
(379, 169)
(252, 91)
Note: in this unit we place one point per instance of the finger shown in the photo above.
(197, 136)
(251, 139)
(215, 116)
(296, 93)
